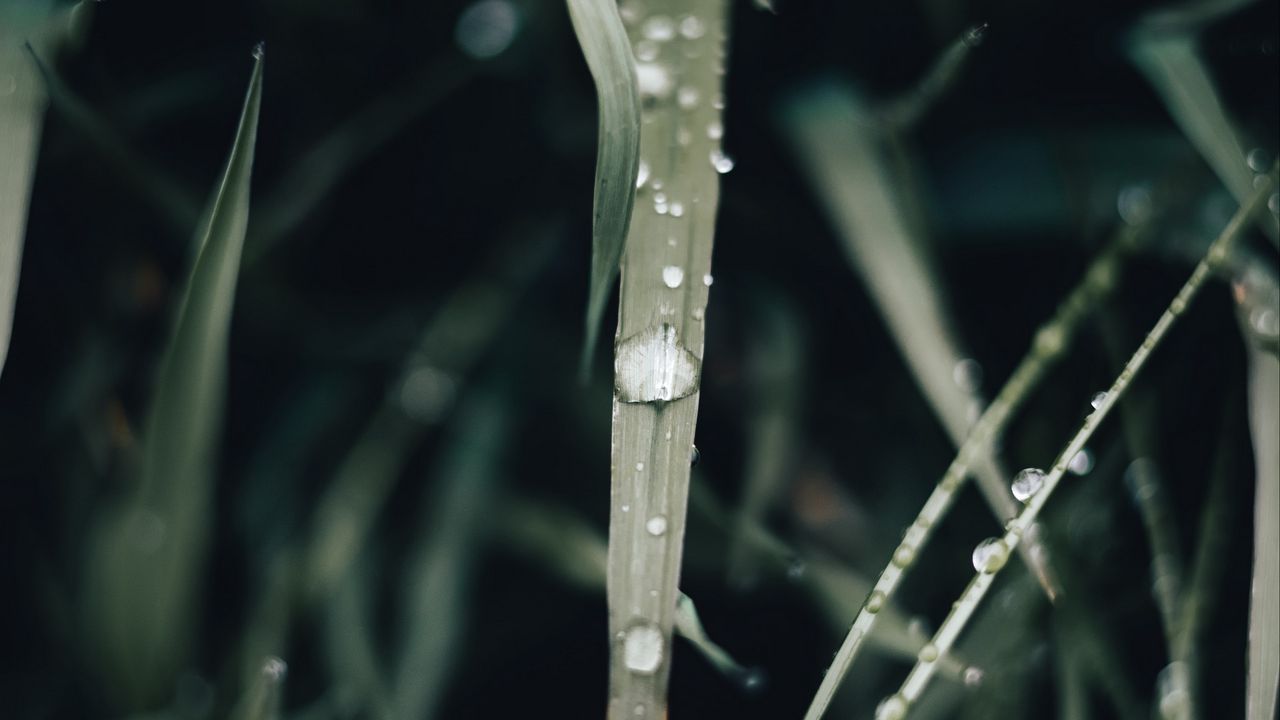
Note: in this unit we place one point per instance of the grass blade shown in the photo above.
(608, 52)
(665, 286)
(972, 596)
(149, 557)
(22, 103)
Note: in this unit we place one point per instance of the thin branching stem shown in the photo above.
(1050, 343)
(972, 596)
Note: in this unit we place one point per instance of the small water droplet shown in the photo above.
(672, 276)
(903, 556)
(486, 28)
(698, 313)
(1027, 483)
(707, 280)
(687, 97)
(642, 174)
(642, 649)
(1265, 321)
(928, 653)
(656, 525)
(646, 51)
(659, 28)
(875, 601)
(639, 710)
(691, 27)
(1257, 160)
(973, 676)
(1098, 398)
(1082, 463)
(626, 508)
(893, 707)
(640, 467)
(1049, 340)
(694, 456)
(1134, 204)
(752, 680)
(721, 162)
(990, 555)
(653, 81)
(426, 394)
(677, 209)
(275, 669)
(715, 131)
(796, 568)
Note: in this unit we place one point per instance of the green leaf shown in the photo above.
(149, 556)
(608, 53)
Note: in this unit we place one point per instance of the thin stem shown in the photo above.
(1050, 343)
(912, 106)
(969, 600)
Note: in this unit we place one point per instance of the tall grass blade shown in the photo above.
(22, 103)
(608, 52)
(1264, 602)
(665, 284)
(147, 562)
(998, 549)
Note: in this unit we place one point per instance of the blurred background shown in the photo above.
(403, 411)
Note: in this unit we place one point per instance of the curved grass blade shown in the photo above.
(149, 556)
(608, 52)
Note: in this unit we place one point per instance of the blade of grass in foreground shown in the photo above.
(1049, 345)
(22, 103)
(990, 556)
(658, 357)
(603, 38)
(147, 563)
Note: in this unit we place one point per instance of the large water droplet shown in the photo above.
(893, 707)
(642, 649)
(721, 162)
(659, 28)
(1082, 463)
(1098, 398)
(486, 28)
(652, 366)
(672, 276)
(990, 555)
(1027, 483)
(656, 525)
(707, 280)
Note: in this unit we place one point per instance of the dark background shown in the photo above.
(1021, 163)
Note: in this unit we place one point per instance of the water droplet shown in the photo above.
(691, 28)
(642, 649)
(893, 707)
(715, 131)
(990, 555)
(1049, 340)
(659, 28)
(672, 276)
(903, 556)
(1257, 160)
(1134, 204)
(639, 710)
(1265, 321)
(275, 669)
(694, 456)
(752, 680)
(796, 568)
(1098, 398)
(1027, 483)
(967, 374)
(486, 28)
(698, 313)
(1260, 181)
(642, 174)
(653, 81)
(687, 97)
(875, 601)
(639, 467)
(1172, 692)
(976, 34)
(652, 366)
(707, 280)
(1082, 463)
(1273, 203)
(973, 676)
(721, 162)
(426, 394)
(646, 51)
(928, 653)
(656, 525)
(259, 50)
(677, 209)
